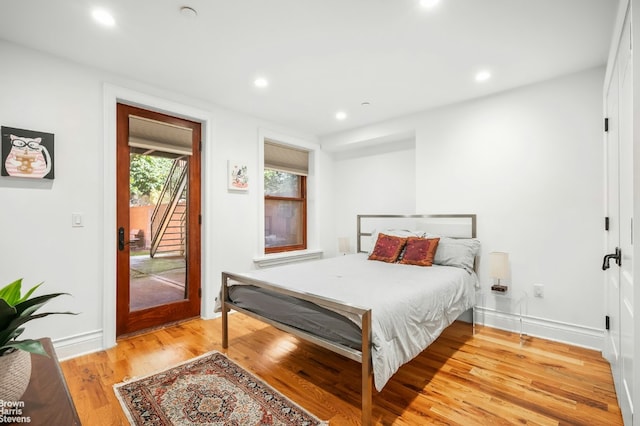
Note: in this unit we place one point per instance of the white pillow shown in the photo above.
(458, 252)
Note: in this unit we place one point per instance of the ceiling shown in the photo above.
(322, 56)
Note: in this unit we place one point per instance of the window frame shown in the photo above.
(302, 198)
(313, 250)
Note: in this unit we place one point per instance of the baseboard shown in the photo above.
(214, 315)
(586, 337)
(80, 344)
(577, 335)
(89, 342)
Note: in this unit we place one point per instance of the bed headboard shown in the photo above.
(449, 225)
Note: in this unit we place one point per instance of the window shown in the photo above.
(285, 198)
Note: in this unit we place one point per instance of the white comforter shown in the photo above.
(410, 305)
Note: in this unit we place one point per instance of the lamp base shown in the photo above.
(499, 288)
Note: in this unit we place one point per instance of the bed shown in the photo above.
(381, 314)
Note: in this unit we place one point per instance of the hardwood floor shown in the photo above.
(460, 379)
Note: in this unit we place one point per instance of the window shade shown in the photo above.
(286, 159)
(158, 136)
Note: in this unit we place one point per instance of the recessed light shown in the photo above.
(429, 3)
(260, 82)
(341, 115)
(483, 75)
(103, 17)
(365, 104)
(188, 12)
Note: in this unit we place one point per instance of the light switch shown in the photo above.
(77, 220)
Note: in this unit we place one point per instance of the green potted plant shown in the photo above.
(15, 355)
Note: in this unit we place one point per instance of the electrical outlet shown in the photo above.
(538, 290)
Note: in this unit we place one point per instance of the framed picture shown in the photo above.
(26, 153)
(237, 177)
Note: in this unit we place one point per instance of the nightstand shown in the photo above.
(511, 304)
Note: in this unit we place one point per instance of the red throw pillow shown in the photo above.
(420, 251)
(387, 248)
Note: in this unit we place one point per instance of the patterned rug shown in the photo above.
(208, 390)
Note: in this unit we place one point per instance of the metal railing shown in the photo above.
(173, 191)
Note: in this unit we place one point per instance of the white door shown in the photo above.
(626, 220)
(612, 274)
(619, 277)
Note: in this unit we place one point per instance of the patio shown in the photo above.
(156, 281)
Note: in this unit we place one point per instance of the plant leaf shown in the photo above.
(40, 300)
(11, 292)
(17, 322)
(12, 337)
(29, 293)
(29, 345)
(7, 313)
(17, 333)
(16, 310)
(9, 332)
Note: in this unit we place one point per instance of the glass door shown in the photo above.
(158, 229)
(158, 219)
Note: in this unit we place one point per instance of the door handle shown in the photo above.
(607, 258)
(121, 241)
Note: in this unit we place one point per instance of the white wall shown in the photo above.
(38, 242)
(528, 163)
(372, 182)
(41, 92)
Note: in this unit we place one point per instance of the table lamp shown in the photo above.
(499, 269)
(343, 245)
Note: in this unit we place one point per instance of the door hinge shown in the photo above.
(200, 146)
(606, 124)
(199, 219)
(200, 294)
(606, 322)
(606, 223)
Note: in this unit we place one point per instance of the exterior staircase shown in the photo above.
(169, 219)
(174, 237)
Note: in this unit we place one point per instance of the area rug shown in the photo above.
(208, 390)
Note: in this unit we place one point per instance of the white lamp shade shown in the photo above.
(498, 265)
(343, 244)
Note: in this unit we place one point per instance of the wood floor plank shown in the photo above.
(461, 379)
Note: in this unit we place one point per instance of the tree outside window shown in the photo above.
(285, 211)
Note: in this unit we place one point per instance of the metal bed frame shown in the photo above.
(364, 355)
